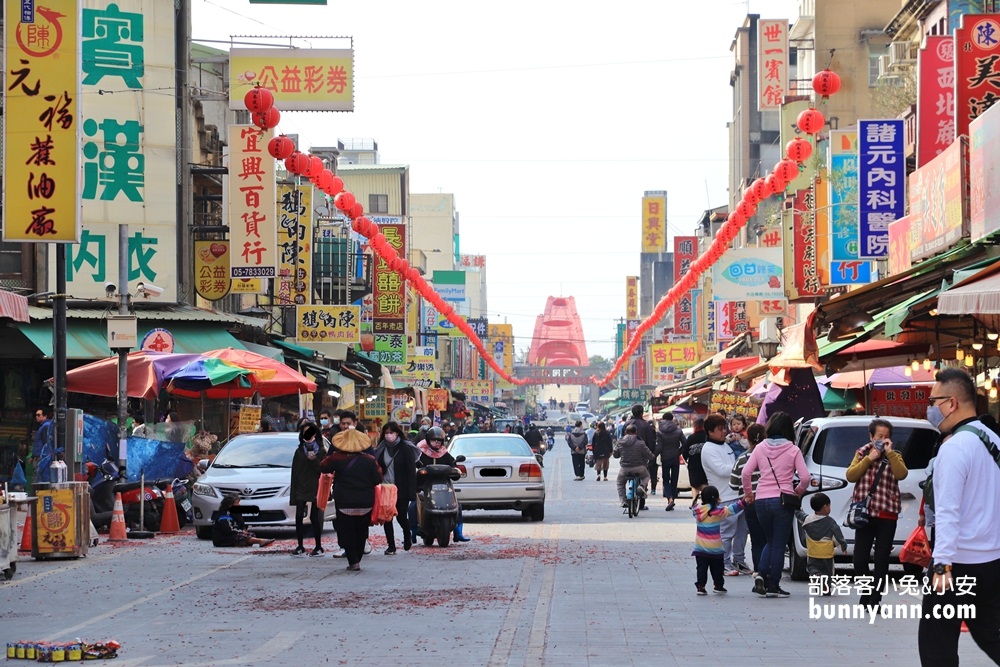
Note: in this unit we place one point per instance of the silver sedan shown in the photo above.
(499, 473)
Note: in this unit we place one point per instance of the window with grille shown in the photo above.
(378, 204)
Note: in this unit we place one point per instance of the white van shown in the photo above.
(829, 445)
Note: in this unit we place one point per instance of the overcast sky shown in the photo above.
(546, 120)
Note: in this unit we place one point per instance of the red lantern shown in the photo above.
(826, 83)
(774, 183)
(336, 186)
(266, 119)
(746, 209)
(737, 217)
(760, 189)
(280, 147)
(810, 121)
(315, 167)
(355, 226)
(750, 196)
(357, 210)
(344, 201)
(367, 228)
(798, 150)
(258, 99)
(787, 171)
(296, 162)
(323, 180)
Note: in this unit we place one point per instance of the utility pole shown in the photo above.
(59, 347)
(123, 308)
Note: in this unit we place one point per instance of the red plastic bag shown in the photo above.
(323, 492)
(917, 548)
(385, 504)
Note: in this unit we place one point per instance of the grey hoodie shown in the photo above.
(632, 451)
(669, 439)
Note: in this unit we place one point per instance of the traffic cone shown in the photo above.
(168, 519)
(117, 532)
(26, 535)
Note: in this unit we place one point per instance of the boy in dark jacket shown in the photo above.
(821, 533)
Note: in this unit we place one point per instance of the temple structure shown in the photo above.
(558, 338)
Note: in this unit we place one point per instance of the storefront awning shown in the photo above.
(303, 352)
(265, 351)
(14, 306)
(610, 397)
(738, 346)
(88, 339)
(980, 297)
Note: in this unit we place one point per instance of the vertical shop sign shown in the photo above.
(984, 175)
(252, 225)
(685, 252)
(935, 97)
(938, 203)
(977, 68)
(882, 184)
(654, 224)
(805, 278)
(389, 302)
(631, 297)
(899, 245)
(211, 269)
(295, 244)
(772, 44)
(41, 149)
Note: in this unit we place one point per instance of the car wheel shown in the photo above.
(203, 532)
(537, 512)
(796, 564)
(526, 514)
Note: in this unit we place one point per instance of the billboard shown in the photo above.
(669, 360)
(41, 150)
(805, 251)
(654, 224)
(129, 147)
(938, 202)
(749, 274)
(389, 301)
(327, 324)
(977, 68)
(772, 45)
(301, 79)
(631, 297)
(449, 284)
(881, 184)
(211, 269)
(685, 252)
(295, 244)
(253, 227)
(984, 175)
(935, 97)
(476, 391)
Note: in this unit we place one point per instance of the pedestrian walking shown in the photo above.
(355, 475)
(577, 441)
(966, 492)
(718, 459)
(603, 447)
(669, 441)
(398, 460)
(755, 435)
(708, 550)
(692, 458)
(305, 486)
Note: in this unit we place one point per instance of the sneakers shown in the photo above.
(299, 552)
(368, 548)
(670, 506)
(701, 590)
(758, 585)
(624, 503)
(732, 573)
(578, 479)
(390, 551)
(318, 551)
(354, 568)
(743, 569)
(776, 592)
(721, 590)
(339, 553)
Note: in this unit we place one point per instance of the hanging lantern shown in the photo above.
(751, 195)
(774, 183)
(296, 162)
(344, 201)
(336, 186)
(258, 99)
(266, 119)
(826, 83)
(738, 217)
(324, 179)
(787, 171)
(364, 226)
(314, 168)
(357, 210)
(811, 121)
(798, 150)
(280, 147)
(746, 209)
(760, 189)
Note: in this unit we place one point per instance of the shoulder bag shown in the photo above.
(857, 512)
(791, 501)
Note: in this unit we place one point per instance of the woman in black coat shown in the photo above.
(355, 476)
(602, 448)
(305, 485)
(398, 460)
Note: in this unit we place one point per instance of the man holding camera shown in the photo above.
(876, 471)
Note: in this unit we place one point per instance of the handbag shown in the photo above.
(323, 490)
(857, 511)
(917, 548)
(790, 501)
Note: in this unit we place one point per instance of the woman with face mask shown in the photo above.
(305, 485)
(397, 458)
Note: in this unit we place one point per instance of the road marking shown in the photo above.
(64, 566)
(261, 655)
(540, 621)
(73, 631)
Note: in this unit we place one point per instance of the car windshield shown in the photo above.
(470, 447)
(257, 451)
(837, 446)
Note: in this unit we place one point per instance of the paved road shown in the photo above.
(587, 586)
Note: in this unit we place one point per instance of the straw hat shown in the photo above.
(351, 441)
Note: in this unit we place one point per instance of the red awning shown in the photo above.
(14, 306)
(736, 364)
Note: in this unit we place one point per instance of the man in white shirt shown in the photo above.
(718, 459)
(966, 559)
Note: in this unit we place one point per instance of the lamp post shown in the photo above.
(123, 308)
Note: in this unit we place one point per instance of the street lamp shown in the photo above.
(770, 338)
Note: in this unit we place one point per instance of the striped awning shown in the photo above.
(14, 306)
(981, 297)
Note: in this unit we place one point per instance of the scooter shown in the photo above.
(437, 502)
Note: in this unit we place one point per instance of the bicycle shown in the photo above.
(633, 493)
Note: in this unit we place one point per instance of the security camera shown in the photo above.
(110, 289)
(149, 289)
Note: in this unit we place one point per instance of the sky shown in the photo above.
(546, 120)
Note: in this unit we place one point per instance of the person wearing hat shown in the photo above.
(355, 475)
(305, 486)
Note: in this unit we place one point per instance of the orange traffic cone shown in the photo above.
(168, 520)
(117, 532)
(26, 535)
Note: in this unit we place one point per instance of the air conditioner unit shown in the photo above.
(901, 54)
(883, 66)
(892, 80)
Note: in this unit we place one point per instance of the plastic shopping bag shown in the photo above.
(917, 548)
(323, 492)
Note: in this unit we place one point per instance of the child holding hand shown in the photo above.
(822, 536)
(708, 550)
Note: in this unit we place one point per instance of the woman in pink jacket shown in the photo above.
(778, 460)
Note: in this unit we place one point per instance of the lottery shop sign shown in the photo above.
(389, 301)
(253, 227)
(41, 151)
(301, 79)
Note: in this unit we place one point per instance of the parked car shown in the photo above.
(499, 473)
(257, 467)
(829, 445)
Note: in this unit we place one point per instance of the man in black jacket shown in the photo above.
(647, 434)
(669, 439)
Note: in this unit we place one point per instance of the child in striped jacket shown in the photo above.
(708, 540)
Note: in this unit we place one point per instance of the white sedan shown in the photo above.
(499, 473)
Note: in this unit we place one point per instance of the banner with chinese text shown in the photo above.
(327, 324)
(654, 224)
(685, 252)
(301, 79)
(631, 297)
(977, 68)
(211, 269)
(669, 360)
(805, 251)
(772, 44)
(41, 149)
(389, 301)
(733, 402)
(253, 229)
(938, 202)
(935, 97)
(420, 369)
(732, 319)
(881, 184)
(476, 391)
(910, 402)
(295, 244)
(501, 342)
(984, 175)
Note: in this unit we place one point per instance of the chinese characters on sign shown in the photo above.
(844, 208)
(937, 202)
(41, 155)
(633, 395)
(733, 402)
(984, 174)
(631, 297)
(772, 42)
(685, 252)
(732, 319)
(669, 360)
(301, 79)
(654, 224)
(389, 301)
(472, 261)
(327, 324)
(211, 269)
(935, 98)
(476, 391)
(750, 274)
(295, 244)
(805, 283)
(900, 402)
(977, 68)
(882, 184)
(252, 225)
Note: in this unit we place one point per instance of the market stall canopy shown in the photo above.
(146, 374)
(980, 297)
(14, 306)
(283, 382)
(889, 376)
(837, 399)
(216, 378)
(610, 397)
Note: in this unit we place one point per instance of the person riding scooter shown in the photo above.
(434, 452)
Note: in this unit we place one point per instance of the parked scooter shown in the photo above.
(437, 502)
(106, 480)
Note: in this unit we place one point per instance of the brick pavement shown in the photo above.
(587, 586)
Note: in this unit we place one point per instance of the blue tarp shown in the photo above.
(157, 458)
